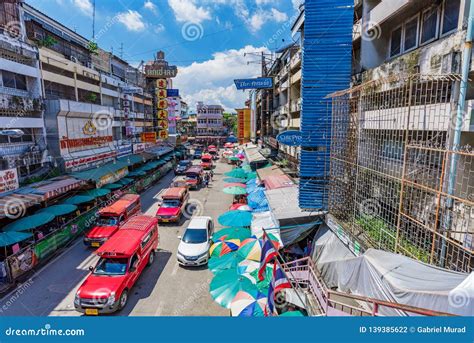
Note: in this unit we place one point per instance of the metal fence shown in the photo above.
(391, 149)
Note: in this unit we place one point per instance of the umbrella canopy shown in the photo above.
(251, 175)
(234, 179)
(229, 261)
(237, 206)
(232, 233)
(125, 181)
(136, 173)
(113, 186)
(245, 207)
(235, 218)
(59, 210)
(30, 222)
(248, 304)
(250, 249)
(240, 156)
(221, 248)
(225, 286)
(246, 168)
(96, 193)
(235, 190)
(10, 238)
(292, 314)
(237, 172)
(235, 184)
(234, 158)
(79, 199)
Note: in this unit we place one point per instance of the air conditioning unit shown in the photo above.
(37, 36)
(74, 59)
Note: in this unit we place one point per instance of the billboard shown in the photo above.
(258, 83)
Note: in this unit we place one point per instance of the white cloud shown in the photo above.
(297, 3)
(132, 20)
(150, 6)
(188, 11)
(85, 6)
(259, 18)
(212, 81)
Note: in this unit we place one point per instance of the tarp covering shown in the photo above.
(392, 277)
(265, 220)
(280, 181)
(295, 233)
(263, 173)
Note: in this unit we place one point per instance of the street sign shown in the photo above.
(290, 138)
(173, 92)
(148, 137)
(258, 83)
(131, 90)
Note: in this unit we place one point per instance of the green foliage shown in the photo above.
(93, 48)
(47, 41)
(230, 121)
(91, 97)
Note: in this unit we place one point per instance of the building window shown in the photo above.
(450, 16)
(411, 34)
(12, 80)
(396, 42)
(429, 26)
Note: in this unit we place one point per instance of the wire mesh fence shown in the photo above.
(391, 171)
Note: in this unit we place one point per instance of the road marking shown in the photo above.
(175, 269)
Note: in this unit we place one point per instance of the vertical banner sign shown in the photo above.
(162, 110)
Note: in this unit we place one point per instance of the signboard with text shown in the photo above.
(8, 180)
(159, 68)
(148, 137)
(258, 83)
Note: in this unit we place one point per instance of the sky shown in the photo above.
(206, 39)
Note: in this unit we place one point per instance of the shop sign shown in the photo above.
(89, 160)
(124, 150)
(162, 114)
(8, 180)
(163, 124)
(131, 90)
(21, 263)
(162, 104)
(82, 142)
(112, 177)
(161, 83)
(258, 83)
(290, 138)
(148, 137)
(163, 134)
(161, 93)
(173, 92)
(159, 68)
(139, 147)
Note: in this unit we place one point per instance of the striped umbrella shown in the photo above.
(225, 286)
(226, 262)
(232, 233)
(248, 304)
(221, 248)
(250, 249)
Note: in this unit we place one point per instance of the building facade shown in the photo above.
(210, 124)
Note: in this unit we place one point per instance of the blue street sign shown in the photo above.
(172, 92)
(290, 138)
(261, 82)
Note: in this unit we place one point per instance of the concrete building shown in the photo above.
(95, 106)
(210, 125)
(22, 144)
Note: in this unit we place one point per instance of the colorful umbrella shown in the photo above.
(224, 247)
(250, 249)
(237, 172)
(234, 179)
(240, 156)
(234, 158)
(248, 304)
(236, 184)
(232, 233)
(235, 190)
(226, 262)
(225, 286)
(292, 314)
(235, 218)
(246, 168)
(251, 175)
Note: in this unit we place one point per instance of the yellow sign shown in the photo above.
(161, 93)
(148, 137)
(163, 124)
(161, 83)
(162, 114)
(162, 104)
(89, 128)
(163, 134)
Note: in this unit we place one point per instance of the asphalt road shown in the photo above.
(164, 289)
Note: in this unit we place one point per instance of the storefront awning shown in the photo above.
(56, 186)
(59, 210)
(130, 160)
(280, 181)
(96, 193)
(14, 204)
(79, 199)
(96, 174)
(10, 238)
(30, 222)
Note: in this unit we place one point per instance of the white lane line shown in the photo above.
(175, 269)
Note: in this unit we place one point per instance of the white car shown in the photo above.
(193, 250)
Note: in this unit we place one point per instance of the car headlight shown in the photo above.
(77, 299)
(111, 299)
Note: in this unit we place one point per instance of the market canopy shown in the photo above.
(125, 181)
(136, 173)
(113, 186)
(235, 218)
(78, 199)
(56, 186)
(59, 210)
(96, 193)
(150, 166)
(30, 222)
(10, 238)
(95, 174)
(132, 159)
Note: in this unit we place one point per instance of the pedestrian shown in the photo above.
(211, 174)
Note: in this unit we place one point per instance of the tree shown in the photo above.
(230, 122)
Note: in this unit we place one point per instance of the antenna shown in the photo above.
(121, 51)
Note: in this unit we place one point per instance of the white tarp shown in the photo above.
(265, 220)
(392, 277)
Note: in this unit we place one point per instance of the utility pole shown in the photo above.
(93, 21)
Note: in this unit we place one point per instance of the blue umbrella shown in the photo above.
(257, 198)
(235, 218)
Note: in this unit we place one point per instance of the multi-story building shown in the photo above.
(210, 126)
(95, 107)
(22, 131)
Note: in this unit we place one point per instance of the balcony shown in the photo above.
(14, 104)
(296, 60)
(385, 10)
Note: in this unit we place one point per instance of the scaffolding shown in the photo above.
(391, 149)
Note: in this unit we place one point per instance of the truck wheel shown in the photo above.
(123, 299)
(151, 258)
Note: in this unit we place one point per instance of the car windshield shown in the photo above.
(195, 236)
(206, 160)
(169, 203)
(111, 266)
(198, 152)
(192, 176)
(183, 163)
(107, 221)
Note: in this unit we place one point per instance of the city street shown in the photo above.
(164, 289)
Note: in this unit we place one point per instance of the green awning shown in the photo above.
(113, 186)
(132, 159)
(150, 165)
(30, 222)
(59, 210)
(79, 199)
(97, 192)
(136, 173)
(96, 173)
(10, 238)
(125, 181)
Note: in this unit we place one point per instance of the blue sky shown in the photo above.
(207, 39)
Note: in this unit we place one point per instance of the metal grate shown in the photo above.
(390, 158)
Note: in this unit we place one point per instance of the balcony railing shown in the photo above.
(15, 104)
